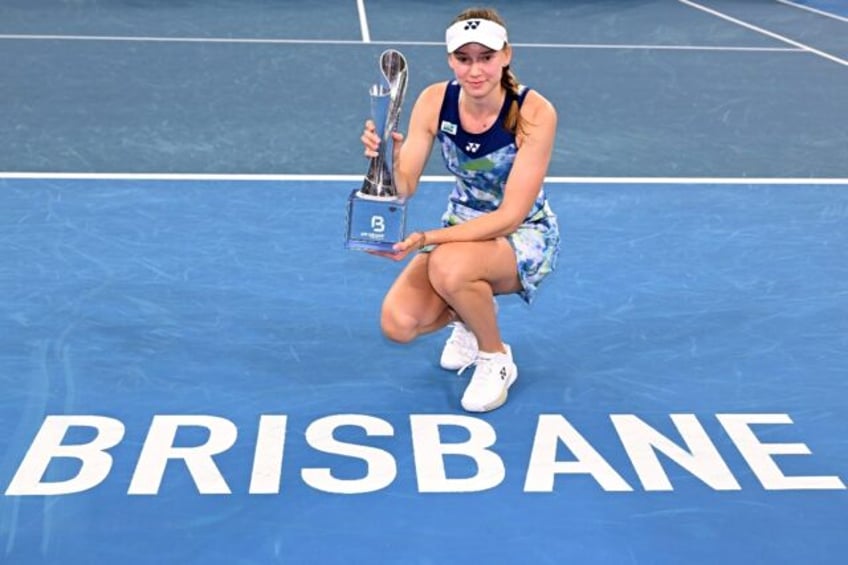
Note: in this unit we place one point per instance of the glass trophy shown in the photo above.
(376, 213)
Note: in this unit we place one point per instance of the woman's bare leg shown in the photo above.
(412, 307)
(465, 275)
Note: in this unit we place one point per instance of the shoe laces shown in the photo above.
(486, 368)
(462, 337)
(461, 369)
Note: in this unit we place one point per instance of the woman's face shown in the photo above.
(478, 69)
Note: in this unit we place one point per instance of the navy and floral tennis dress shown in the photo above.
(481, 164)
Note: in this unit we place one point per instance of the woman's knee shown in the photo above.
(446, 270)
(397, 326)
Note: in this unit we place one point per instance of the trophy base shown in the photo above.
(374, 223)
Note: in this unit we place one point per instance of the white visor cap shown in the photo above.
(485, 32)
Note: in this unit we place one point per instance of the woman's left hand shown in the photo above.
(401, 249)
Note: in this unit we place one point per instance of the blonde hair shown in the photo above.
(509, 82)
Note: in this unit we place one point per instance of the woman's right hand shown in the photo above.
(371, 140)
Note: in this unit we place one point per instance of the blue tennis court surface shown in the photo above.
(191, 361)
(190, 314)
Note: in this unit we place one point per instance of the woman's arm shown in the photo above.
(410, 153)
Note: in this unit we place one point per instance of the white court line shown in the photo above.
(154, 39)
(814, 10)
(425, 178)
(367, 40)
(654, 47)
(363, 21)
(765, 32)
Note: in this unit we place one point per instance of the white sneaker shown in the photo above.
(494, 374)
(460, 350)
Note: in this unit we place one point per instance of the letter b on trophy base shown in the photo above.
(373, 223)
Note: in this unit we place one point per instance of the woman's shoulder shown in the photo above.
(536, 105)
(428, 106)
(434, 93)
(429, 102)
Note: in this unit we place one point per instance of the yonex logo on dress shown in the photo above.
(472, 147)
